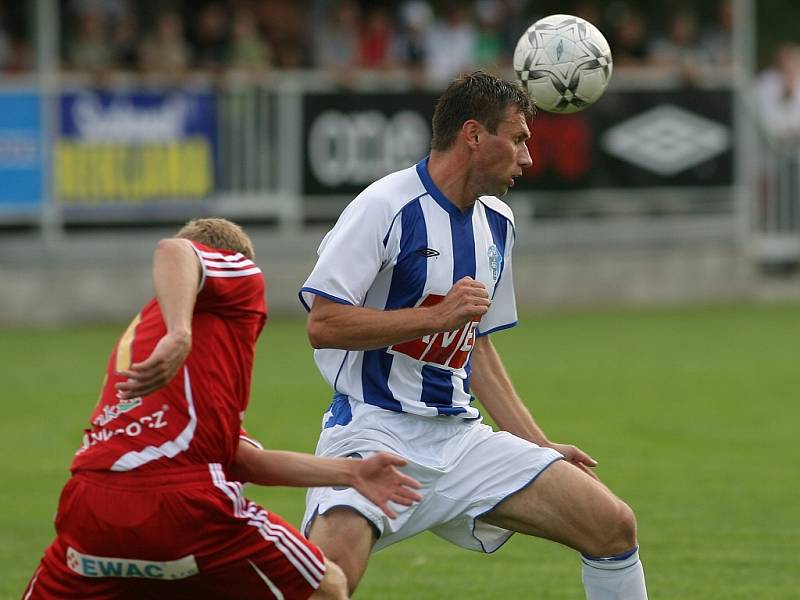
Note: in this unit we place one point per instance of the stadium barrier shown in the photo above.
(284, 150)
(777, 206)
(634, 201)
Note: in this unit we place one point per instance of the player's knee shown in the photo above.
(333, 585)
(626, 521)
(617, 532)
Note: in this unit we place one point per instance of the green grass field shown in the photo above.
(693, 414)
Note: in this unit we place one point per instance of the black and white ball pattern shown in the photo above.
(564, 63)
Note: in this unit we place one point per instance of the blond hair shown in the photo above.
(216, 232)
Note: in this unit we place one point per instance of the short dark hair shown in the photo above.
(480, 96)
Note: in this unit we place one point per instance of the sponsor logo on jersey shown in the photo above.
(449, 349)
(112, 412)
(107, 566)
(134, 428)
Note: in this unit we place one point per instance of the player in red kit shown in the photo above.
(154, 507)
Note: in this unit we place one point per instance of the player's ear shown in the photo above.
(471, 132)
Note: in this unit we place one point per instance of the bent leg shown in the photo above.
(568, 506)
(346, 538)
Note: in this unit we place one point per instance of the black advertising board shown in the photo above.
(636, 139)
(351, 139)
(630, 139)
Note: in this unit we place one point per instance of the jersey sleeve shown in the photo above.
(350, 256)
(502, 313)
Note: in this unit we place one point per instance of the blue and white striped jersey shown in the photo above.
(401, 243)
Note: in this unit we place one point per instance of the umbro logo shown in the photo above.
(427, 252)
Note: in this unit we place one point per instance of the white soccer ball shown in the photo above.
(564, 63)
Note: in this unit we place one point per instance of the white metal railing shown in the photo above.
(777, 202)
(246, 162)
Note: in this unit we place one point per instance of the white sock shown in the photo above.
(614, 578)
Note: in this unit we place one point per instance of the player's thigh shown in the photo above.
(54, 580)
(568, 506)
(346, 538)
(46, 585)
(251, 578)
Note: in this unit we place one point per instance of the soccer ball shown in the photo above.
(563, 62)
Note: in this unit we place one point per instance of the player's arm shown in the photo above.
(176, 277)
(376, 477)
(336, 325)
(492, 385)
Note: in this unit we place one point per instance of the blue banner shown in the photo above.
(138, 147)
(21, 153)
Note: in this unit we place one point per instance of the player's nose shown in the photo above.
(524, 158)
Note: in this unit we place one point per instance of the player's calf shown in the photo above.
(618, 577)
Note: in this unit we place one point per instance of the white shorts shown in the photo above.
(465, 469)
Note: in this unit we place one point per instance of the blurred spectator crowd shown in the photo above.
(431, 39)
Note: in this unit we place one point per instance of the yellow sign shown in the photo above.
(131, 173)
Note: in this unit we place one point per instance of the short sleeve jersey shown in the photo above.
(401, 243)
(196, 418)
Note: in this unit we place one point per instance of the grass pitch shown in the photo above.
(693, 415)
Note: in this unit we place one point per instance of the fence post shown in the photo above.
(47, 43)
(289, 117)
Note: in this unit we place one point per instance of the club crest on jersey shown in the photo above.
(495, 261)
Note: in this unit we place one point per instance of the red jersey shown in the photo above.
(196, 418)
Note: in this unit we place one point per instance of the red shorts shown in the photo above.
(186, 533)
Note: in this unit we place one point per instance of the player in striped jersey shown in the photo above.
(409, 284)
(154, 508)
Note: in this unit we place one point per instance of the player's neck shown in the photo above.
(450, 174)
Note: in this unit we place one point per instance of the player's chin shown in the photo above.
(507, 186)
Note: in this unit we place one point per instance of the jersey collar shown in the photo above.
(437, 195)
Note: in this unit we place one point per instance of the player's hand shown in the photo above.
(158, 369)
(377, 479)
(577, 457)
(467, 300)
